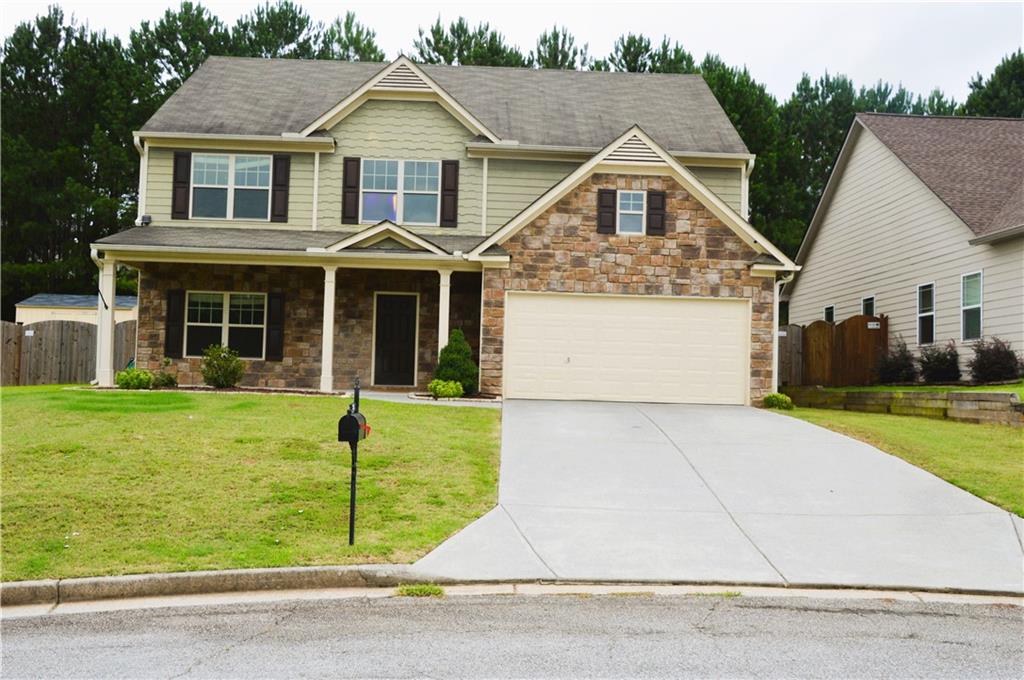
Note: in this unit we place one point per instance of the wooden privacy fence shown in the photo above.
(57, 352)
(833, 355)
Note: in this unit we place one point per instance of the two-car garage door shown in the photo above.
(626, 348)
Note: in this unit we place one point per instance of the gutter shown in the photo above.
(998, 236)
(314, 143)
(486, 149)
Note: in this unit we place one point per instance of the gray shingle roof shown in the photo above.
(230, 95)
(66, 300)
(974, 165)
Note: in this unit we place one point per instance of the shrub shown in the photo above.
(456, 363)
(162, 379)
(776, 400)
(445, 389)
(940, 364)
(221, 366)
(419, 590)
(134, 379)
(897, 365)
(994, 361)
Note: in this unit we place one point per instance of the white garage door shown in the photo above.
(626, 348)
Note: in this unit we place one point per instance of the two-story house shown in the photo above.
(587, 231)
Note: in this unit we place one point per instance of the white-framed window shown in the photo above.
(926, 314)
(404, 192)
(971, 290)
(867, 305)
(231, 186)
(235, 320)
(829, 313)
(631, 215)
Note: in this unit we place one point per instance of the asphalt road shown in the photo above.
(523, 636)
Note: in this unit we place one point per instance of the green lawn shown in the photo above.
(1017, 387)
(105, 482)
(987, 460)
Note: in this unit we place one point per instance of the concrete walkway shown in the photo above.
(657, 492)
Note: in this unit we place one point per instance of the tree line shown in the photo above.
(73, 95)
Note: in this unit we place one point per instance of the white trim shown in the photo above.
(203, 139)
(365, 92)
(316, 188)
(642, 212)
(400, 191)
(230, 187)
(106, 323)
(327, 331)
(373, 339)
(777, 289)
(824, 313)
(712, 202)
(387, 229)
(874, 304)
(980, 306)
(225, 324)
(483, 199)
(555, 153)
(143, 181)
(917, 309)
(745, 190)
(444, 308)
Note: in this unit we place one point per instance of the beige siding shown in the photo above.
(158, 193)
(884, 233)
(727, 183)
(408, 131)
(512, 185)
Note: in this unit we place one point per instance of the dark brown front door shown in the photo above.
(394, 345)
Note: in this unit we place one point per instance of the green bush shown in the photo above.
(221, 366)
(897, 365)
(994, 361)
(162, 379)
(445, 389)
(940, 364)
(134, 379)
(776, 400)
(456, 363)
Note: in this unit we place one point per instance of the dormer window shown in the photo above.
(405, 192)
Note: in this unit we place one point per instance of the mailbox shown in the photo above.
(352, 428)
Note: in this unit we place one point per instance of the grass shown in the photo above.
(419, 589)
(108, 482)
(986, 460)
(1017, 388)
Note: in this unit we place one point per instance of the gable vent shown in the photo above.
(634, 150)
(402, 78)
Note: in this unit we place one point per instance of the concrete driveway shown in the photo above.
(658, 492)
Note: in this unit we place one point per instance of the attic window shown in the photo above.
(631, 212)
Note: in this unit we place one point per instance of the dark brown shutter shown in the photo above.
(174, 324)
(275, 327)
(449, 193)
(350, 191)
(180, 186)
(279, 188)
(606, 211)
(656, 213)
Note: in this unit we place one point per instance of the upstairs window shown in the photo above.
(631, 212)
(230, 186)
(926, 314)
(404, 192)
(867, 306)
(970, 306)
(830, 314)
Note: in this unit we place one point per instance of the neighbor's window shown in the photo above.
(830, 313)
(229, 186)
(970, 306)
(405, 192)
(867, 306)
(631, 212)
(241, 329)
(926, 314)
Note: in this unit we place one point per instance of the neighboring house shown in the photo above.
(923, 221)
(330, 220)
(58, 306)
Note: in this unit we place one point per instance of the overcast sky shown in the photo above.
(922, 45)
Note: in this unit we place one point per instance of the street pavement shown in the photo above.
(595, 491)
(524, 636)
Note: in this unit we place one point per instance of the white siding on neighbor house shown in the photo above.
(884, 234)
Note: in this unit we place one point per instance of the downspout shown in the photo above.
(143, 149)
(316, 187)
(779, 283)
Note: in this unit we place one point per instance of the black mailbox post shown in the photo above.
(352, 428)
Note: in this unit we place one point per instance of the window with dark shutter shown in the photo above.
(174, 324)
(656, 213)
(606, 211)
(180, 185)
(449, 193)
(350, 191)
(279, 188)
(275, 327)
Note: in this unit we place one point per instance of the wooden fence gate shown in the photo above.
(58, 352)
(833, 355)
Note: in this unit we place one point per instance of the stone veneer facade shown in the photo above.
(562, 252)
(303, 308)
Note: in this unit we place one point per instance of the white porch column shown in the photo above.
(444, 308)
(327, 346)
(105, 323)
